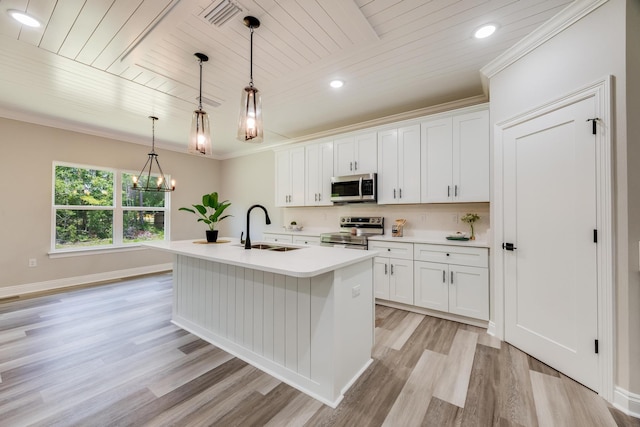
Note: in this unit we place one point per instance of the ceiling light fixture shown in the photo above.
(23, 18)
(146, 172)
(485, 31)
(200, 135)
(250, 121)
(336, 84)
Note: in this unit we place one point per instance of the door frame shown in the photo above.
(601, 91)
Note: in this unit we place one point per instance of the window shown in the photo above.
(90, 213)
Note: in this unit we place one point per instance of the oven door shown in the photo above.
(343, 245)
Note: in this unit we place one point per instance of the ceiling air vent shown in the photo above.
(220, 11)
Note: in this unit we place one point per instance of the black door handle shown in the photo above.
(508, 246)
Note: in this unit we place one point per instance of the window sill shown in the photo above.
(65, 253)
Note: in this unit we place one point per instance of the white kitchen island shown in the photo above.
(305, 316)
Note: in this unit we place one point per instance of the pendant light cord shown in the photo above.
(153, 134)
(251, 59)
(200, 97)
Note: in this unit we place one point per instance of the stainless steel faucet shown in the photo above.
(247, 242)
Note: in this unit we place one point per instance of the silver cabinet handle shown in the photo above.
(444, 276)
(385, 269)
(448, 191)
(452, 277)
(455, 192)
(400, 191)
(319, 197)
(356, 165)
(392, 269)
(315, 196)
(394, 193)
(350, 166)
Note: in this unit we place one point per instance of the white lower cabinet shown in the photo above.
(290, 238)
(452, 287)
(393, 271)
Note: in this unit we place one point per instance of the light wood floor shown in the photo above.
(108, 355)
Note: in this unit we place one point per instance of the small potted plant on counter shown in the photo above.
(470, 218)
(210, 212)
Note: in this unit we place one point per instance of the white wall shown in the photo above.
(28, 152)
(587, 51)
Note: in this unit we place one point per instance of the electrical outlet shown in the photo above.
(33, 262)
(355, 291)
(454, 218)
(423, 218)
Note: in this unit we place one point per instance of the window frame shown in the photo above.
(117, 211)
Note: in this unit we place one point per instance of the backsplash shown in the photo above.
(420, 218)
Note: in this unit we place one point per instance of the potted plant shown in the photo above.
(470, 218)
(210, 212)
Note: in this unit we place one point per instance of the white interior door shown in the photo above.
(549, 215)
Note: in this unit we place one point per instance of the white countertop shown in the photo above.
(306, 262)
(432, 239)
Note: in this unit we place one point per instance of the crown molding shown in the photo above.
(560, 22)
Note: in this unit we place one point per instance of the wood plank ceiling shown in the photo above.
(103, 66)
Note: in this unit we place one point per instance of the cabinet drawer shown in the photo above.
(306, 240)
(458, 255)
(273, 237)
(392, 249)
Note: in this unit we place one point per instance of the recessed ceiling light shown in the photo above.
(23, 18)
(485, 31)
(336, 84)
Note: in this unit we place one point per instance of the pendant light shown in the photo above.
(146, 172)
(250, 122)
(200, 136)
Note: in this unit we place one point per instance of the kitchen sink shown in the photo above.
(267, 247)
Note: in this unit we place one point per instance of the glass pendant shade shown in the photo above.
(200, 135)
(250, 121)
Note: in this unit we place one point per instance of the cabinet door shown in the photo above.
(409, 164)
(432, 285)
(471, 157)
(436, 161)
(312, 170)
(366, 154)
(344, 156)
(325, 174)
(388, 167)
(401, 280)
(297, 177)
(283, 178)
(469, 291)
(381, 277)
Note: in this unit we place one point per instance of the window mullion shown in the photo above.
(118, 211)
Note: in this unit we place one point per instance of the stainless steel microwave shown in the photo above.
(354, 188)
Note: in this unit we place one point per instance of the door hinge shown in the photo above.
(596, 346)
(593, 125)
(595, 236)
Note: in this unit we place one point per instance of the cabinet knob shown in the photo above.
(447, 254)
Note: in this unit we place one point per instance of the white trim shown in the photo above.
(434, 313)
(601, 90)
(627, 402)
(560, 22)
(491, 329)
(49, 285)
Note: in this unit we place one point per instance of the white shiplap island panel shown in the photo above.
(312, 331)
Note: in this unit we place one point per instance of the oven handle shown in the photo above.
(360, 187)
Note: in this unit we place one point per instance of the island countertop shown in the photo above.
(308, 261)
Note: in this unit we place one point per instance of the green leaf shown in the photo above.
(187, 209)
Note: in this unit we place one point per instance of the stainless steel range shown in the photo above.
(354, 231)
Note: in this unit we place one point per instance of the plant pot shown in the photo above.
(212, 235)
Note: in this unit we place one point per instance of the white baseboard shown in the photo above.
(49, 285)
(491, 329)
(627, 402)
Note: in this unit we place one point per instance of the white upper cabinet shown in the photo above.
(290, 177)
(319, 170)
(355, 154)
(455, 158)
(399, 165)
